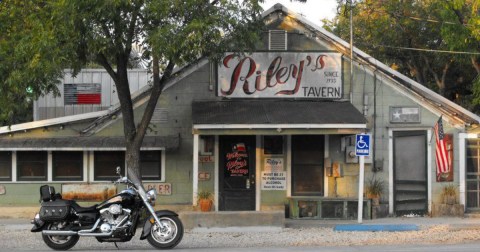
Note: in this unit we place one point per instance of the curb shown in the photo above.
(376, 227)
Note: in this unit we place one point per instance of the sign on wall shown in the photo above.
(161, 188)
(281, 75)
(274, 180)
(82, 93)
(273, 164)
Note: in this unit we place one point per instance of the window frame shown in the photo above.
(9, 177)
(92, 167)
(322, 175)
(82, 167)
(161, 170)
(46, 169)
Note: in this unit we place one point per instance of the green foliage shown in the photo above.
(385, 29)
(449, 190)
(205, 194)
(39, 39)
(375, 187)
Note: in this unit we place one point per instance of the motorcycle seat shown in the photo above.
(80, 209)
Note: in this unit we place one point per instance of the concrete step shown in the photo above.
(472, 215)
(227, 219)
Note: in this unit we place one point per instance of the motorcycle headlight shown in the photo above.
(151, 196)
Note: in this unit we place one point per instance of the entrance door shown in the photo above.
(410, 172)
(237, 173)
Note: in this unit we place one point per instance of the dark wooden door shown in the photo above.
(410, 172)
(237, 173)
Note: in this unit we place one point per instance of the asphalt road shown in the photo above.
(439, 238)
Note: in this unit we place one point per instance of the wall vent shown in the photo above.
(277, 40)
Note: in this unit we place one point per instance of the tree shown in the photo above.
(408, 35)
(44, 37)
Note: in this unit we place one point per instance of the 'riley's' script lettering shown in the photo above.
(251, 80)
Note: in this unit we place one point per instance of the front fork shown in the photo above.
(150, 207)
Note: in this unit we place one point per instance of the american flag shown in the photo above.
(443, 162)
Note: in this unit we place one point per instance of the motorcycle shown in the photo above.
(63, 222)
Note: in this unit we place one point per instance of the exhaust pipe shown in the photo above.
(87, 232)
(59, 232)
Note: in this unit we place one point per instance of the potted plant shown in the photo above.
(205, 200)
(449, 194)
(374, 190)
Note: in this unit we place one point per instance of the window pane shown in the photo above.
(5, 165)
(32, 165)
(106, 163)
(472, 165)
(307, 165)
(67, 165)
(273, 145)
(151, 165)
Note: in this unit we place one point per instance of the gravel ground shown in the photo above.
(19, 236)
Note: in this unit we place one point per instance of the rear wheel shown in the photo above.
(167, 237)
(59, 242)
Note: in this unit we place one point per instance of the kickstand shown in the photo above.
(116, 245)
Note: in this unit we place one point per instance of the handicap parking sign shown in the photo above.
(362, 145)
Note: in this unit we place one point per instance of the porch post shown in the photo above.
(195, 169)
(461, 169)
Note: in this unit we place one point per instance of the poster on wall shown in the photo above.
(316, 75)
(236, 161)
(274, 180)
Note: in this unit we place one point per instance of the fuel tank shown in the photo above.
(125, 198)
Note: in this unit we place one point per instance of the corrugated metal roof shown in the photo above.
(275, 112)
(167, 142)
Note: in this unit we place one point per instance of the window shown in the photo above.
(5, 166)
(307, 165)
(151, 165)
(273, 145)
(106, 163)
(67, 165)
(32, 165)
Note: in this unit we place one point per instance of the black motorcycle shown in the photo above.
(62, 222)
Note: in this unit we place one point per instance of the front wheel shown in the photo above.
(59, 242)
(167, 237)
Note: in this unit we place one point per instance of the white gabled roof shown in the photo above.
(51, 122)
(441, 102)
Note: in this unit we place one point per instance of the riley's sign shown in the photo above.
(281, 75)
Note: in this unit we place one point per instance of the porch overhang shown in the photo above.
(267, 117)
(86, 143)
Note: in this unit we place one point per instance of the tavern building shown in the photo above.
(261, 131)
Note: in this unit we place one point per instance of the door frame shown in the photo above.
(462, 147)
(257, 163)
(391, 180)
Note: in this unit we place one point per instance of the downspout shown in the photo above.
(351, 52)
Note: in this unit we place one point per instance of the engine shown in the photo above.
(115, 218)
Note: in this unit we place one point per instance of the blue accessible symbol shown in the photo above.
(362, 145)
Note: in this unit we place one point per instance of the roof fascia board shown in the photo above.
(78, 149)
(53, 121)
(375, 62)
(281, 126)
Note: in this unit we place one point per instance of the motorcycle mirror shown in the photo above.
(118, 170)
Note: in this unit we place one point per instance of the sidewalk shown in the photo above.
(453, 223)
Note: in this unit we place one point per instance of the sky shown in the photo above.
(313, 10)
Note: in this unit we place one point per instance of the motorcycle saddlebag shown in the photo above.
(54, 210)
